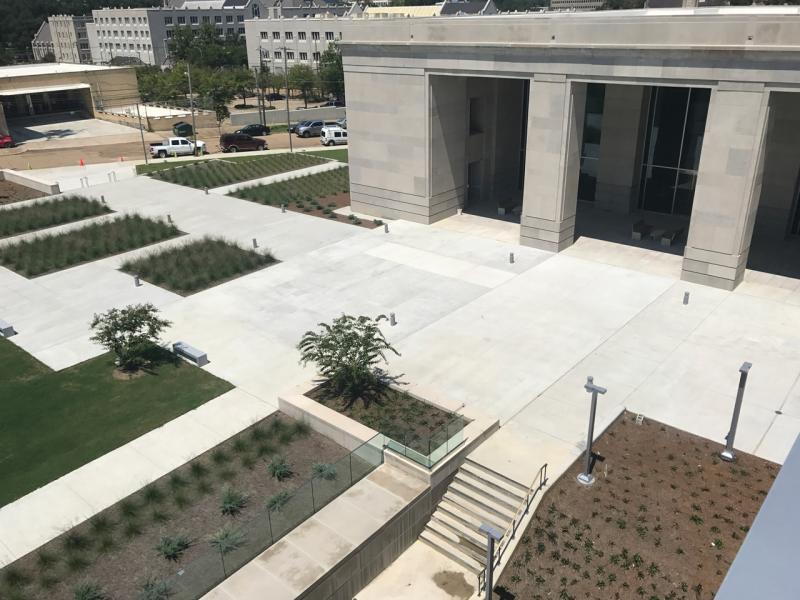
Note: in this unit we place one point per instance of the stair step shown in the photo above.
(447, 540)
(457, 540)
(494, 476)
(492, 483)
(483, 499)
(467, 532)
(500, 497)
(476, 512)
(450, 551)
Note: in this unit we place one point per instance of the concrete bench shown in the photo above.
(190, 353)
(639, 230)
(670, 236)
(6, 330)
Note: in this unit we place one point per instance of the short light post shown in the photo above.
(728, 454)
(492, 535)
(586, 478)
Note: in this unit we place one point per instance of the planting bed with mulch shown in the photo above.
(47, 253)
(663, 521)
(198, 265)
(319, 194)
(50, 213)
(400, 416)
(13, 192)
(116, 550)
(219, 172)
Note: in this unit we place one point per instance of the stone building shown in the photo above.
(70, 38)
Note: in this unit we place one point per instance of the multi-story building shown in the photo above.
(42, 44)
(70, 38)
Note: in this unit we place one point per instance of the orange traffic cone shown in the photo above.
(82, 164)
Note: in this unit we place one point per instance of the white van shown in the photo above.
(333, 136)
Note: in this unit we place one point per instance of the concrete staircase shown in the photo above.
(477, 495)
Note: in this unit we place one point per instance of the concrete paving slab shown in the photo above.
(322, 543)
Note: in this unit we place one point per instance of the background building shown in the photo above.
(682, 123)
(42, 44)
(70, 39)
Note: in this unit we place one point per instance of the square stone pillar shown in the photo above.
(728, 185)
(620, 144)
(552, 162)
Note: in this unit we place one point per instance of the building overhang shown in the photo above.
(44, 89)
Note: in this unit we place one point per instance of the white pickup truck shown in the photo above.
(176, 146)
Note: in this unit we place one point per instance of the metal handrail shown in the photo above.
(538, 483)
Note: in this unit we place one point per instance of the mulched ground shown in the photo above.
(663, 521)
(13, 192)
(340, 200)
(416, 424)
(120, 559)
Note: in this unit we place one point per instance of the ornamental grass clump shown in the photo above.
(347, 353)
(299, 191)
(49, 214)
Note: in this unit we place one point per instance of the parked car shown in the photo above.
(255, 129)
(294, 127)
(234, 142)
(176, 146)
(310, 128)
(336, 103)
(342, 122)
(275, 96)
(182, 129)
(6, 141)
(332, 135)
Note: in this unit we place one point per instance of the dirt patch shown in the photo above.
(663, 521)
(13, 192)
(416, 424)
(121, 375)
(453, 583)
(117, 548)
(336, 201)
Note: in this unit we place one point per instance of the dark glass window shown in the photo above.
(695, 127)
(590, 142)
(668, 111)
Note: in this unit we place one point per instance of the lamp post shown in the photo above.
(728, 454)
(191, 104)
(492, 535)
(586, 478)
(141, 132)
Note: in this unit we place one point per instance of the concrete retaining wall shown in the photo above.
(278, 115)
(35, 183)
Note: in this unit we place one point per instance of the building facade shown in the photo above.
(684, 124)
(70, 38)
(42, 44)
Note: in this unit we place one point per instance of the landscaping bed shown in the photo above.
(663, 521)
(13, 192)
(62, 420)
(198, 265)
(50, 213)
(400, 416)
(162, 533)
(47, 253)
(218, 172)
(319, 194)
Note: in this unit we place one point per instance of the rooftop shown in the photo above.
(48, 69)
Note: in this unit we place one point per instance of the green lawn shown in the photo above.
(53, 422)
(339, 154)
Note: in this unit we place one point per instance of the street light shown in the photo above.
(586, 478)
(286, 83)
(492, 535)
(728, 454)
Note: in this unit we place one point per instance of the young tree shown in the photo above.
(301, 78)
(347, 354)
(131, 333)
(242, 81)
(331, 72)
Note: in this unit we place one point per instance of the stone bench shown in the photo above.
(6, 330)
(639, 230)
(670, 236)
(190, 353)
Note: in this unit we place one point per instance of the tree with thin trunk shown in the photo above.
(225, 541)
(131, 333)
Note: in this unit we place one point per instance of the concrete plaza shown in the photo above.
(514, 341)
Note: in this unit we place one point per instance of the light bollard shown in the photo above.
(385, 228)
(685, 298)
(492, 535)
(136, 281)
(255, 243)
(586, 478)
(511, 257)
(283, 208)
(392, 319)
(728, 454)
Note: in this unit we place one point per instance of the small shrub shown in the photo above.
(219, 457)
(101, 524)
(106, 544)
(15, 577)
(76, 562)
(279, 468)
(324, 471)
(132, 529)
(75, 541)
(278, 501)
(180, 501)
(172, 548)
(154, 589)
(45, 560)
(128, 509)
(89, 591)
(257, 434)
(226, 540)
(176, 482)
(232, 502)
(152, 494)
(240, 446)
(198, 470)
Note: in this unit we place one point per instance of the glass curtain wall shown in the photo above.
(675, 125)
(590, 143)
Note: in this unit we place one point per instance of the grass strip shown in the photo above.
(49, 213)
(301, 190)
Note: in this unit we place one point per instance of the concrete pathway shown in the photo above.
(326, 166)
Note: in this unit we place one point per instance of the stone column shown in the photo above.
(552, 162)
(448, 145)
(728, 185)
(620, 141)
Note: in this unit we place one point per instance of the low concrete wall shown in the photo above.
(35, 183)
(204, 120)
(278, 116)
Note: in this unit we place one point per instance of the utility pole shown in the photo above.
(141, 132)
(286, 82)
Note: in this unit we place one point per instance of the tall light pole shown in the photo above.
(191, 104)
(586, 478)
(141, 131)
(728, 454)
(286, 83)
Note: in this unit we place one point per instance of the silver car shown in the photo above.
(309, 128)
